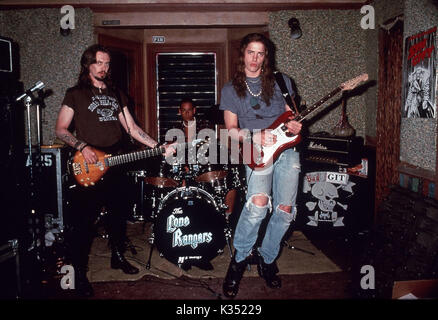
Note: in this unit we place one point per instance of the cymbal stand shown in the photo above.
(152, 243)
(228, 235)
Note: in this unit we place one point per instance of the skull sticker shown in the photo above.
(324, 187)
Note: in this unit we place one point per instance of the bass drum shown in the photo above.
(189, 228)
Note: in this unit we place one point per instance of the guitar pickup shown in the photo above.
(286, 132)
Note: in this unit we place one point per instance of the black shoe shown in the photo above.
(82, 285)
(235, 272)
(118, 261)
(269, 273)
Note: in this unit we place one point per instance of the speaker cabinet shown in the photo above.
(49, 174)
(333, 199)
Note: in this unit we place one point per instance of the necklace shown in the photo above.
(93, 90)
(252, 93)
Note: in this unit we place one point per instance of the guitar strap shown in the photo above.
(286, 95)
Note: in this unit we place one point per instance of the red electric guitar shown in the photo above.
(258, 157)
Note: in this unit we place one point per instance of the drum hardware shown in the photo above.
(100, 222)
(135, 216)
(228, 235)
(238, 178)
(137, 174)
(151, 241)
(137, 208)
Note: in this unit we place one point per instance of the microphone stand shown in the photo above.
(34, 235)
(34, 163)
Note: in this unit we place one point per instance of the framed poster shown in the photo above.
(419, 74)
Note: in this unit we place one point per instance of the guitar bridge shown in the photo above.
(76, 168)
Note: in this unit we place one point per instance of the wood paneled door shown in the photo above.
(127, 72)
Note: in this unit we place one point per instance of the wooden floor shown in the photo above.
(324, 286)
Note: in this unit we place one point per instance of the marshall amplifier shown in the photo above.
(332, 150)
(49, 174)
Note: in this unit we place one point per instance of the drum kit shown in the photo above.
(186, 203)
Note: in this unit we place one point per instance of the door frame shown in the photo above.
(134, 52)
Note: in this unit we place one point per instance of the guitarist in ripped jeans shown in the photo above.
(98, 112)
(252, 101)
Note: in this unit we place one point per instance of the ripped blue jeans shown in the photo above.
(282, 180)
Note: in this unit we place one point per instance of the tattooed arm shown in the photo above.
(65, 117)
(138, 134)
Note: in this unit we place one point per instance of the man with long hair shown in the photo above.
(252, 101)
(98, 111)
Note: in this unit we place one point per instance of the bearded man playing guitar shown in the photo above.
(253, 101)
(99, 112)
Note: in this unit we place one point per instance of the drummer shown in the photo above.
(191, 125)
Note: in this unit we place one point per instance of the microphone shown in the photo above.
(37, 86)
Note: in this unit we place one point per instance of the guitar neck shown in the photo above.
(308, 111)
(133, 156)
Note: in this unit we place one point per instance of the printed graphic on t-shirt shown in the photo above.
(106, 107)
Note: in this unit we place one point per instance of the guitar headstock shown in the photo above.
(352, 83)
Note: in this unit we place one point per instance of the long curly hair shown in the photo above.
(267, 75)
(87, 59)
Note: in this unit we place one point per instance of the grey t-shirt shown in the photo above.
(250, 117)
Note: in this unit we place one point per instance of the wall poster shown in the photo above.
(419, 74)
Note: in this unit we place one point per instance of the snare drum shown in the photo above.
(165, 178)
(189, 228)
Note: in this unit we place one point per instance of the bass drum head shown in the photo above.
(188, 227)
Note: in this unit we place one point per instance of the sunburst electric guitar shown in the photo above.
(259, 157)
(87, 174)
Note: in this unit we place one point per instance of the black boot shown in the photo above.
(82, 285)
(269, 273)
(118, 261)
(235, 272)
